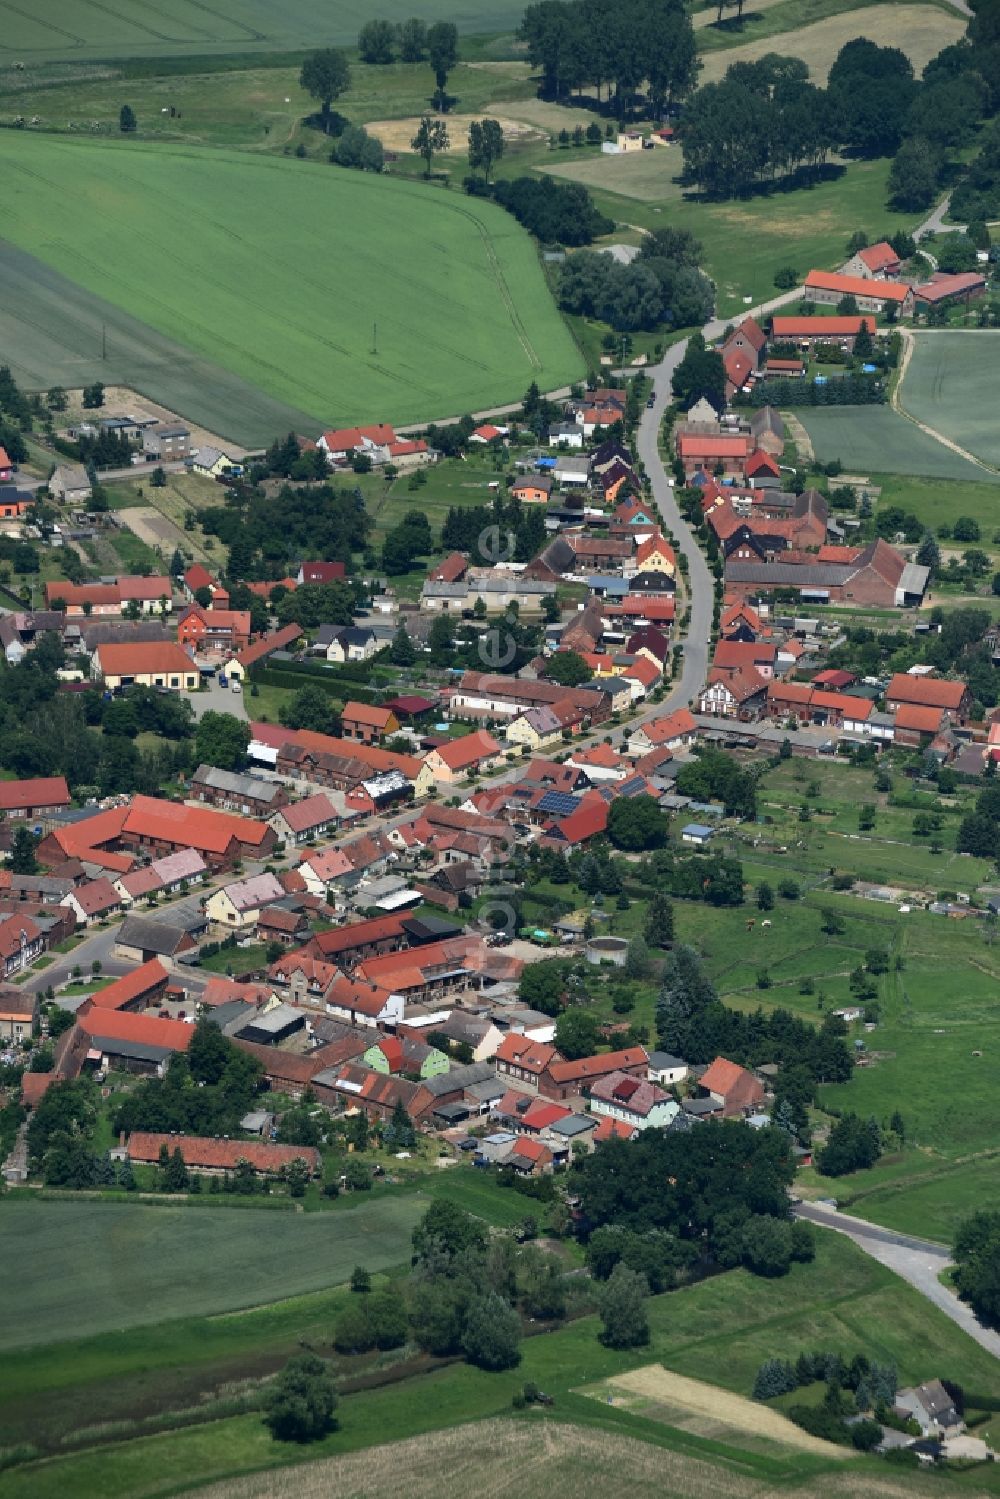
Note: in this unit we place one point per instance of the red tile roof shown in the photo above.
(42, 791)
(323, 572)
(277, 641)
(140, 983)
(856, 286)
(585, 1068)
(521, 1051)
(613, 1129)
(311, 812)
(922, 720)
(355, 934)
(222, 1155)
(722, 1077)
(879, 257)
(933, 692)
(459, 754)
(822, 327)
(346, 439)
(142, 1030)
(713, 445)
(372, 715)
(138, 658)
(201, 828)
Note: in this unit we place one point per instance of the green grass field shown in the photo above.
(147, 1263)
(937, 502)
(290, 274)
(719, 1330)
(950, 384)
(74, 30)
(876, 439)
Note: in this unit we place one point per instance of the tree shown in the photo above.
(765, 897)
(448, 1230)
(441, 639)
(299, 1405)
(774, 1377)
(928, 552)
(568, 668)
(325, 76)
(622, 1307)
(375, 42)
(576, 1034)
(93, 396)
(442, 49)
(57, 399)
(659, 928)
(221, 740)
(966, 529)
(361, 1280)
(355, 148)
(492, 1333)
(173, 1172)
(915, 175)
(854, 1144)
(543, 985)
(126, 120)
(486, 145)
(22, 851)
(767, 1245)
(431, 138)
(412, 39)
(977, 1264)
(700, 373)
(636, 823)
(309, 708)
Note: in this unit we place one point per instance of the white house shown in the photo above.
(665, 1069)
(635, 1101)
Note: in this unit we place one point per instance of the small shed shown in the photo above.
(697, 833)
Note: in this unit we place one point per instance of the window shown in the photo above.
(175, 681)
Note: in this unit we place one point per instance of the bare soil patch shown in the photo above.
(397, 135)
(921, 31)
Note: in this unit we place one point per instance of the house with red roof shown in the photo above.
(953, 697)
(452, 761)
(589, 819)
(148, 663)
(674, 731)
(300, 822)
(739, 693)
(916, 724)
(133, 1043)
(226, 630)
(111, 599)
(563, 1079)
(96, 900)
(762, 471)
(634, 1100)
(21, 942)
(451, 569)
(36, 797)
(749, 340)
(278, 640)
(368, 722)
(614, 1129)
(487, 433)
(875, 263)
(312, 573)
(137, 990)
(708, 452)
(363, 1002)
(522, 1061)
(812, 330)
(643, 675)
(6, 466)
(733, 1089)
(341, 443)
(529, 1157)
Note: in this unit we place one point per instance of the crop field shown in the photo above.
(103, 1266)
(323, 319)
(950, 383)
(53, 331)
(876, 439)
(662, 1395)
(80, 29)
(921, 31)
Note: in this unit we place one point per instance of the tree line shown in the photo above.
(662, 286)
(615, 47)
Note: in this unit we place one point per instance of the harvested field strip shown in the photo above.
(921, 31)
(705, 1402)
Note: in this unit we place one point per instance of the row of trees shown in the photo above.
(621, 47)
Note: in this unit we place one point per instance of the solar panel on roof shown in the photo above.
(559, 803)
(631, 787)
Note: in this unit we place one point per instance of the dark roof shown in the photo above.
(430, 928)
(152, 936)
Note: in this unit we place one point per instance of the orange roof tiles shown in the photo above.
(856, 286)
(138, 658)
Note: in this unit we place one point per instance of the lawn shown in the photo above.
(77, 31)
(931, 1200)
(147, 1263)
(921, 31)
(452, 483)
(876, 439)
(719, 1330)
(940, 502)
(321, 318)
(745, 241)
(950, 384)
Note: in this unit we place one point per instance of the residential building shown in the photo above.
(952, 697)
(563, 1079)
(166, 443)
(96, 900)
(235, 792)
(300, 822)
(812, 330)
(70, 484)
(368, 722)
(18, 1014)
(145, 665)
(238, 906)
(35, 798)
(522, 1060)
(21, 942)
(636, 1101)
(456, 759)
(215, 1156)
(225, 630)
(212, 463)
(148, 595)
(733, 1089)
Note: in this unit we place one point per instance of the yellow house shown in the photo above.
(160, 663)
(212, 462)
(543, 727)
(237, 907)
(452, 762)
(425, 783)
(629, 140)
(656, 555)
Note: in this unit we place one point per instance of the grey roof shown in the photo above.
(792, 574)
(452, 1111)
(661, 1059)
(138, 1050)
(574, 1125)
(151, 936)
(253, 787)
(913, 579)
(486, 1091)
(459, 1078)
(444, 590)
(697, 830)
(352, 635)
(274, 1021)
(698, 1106)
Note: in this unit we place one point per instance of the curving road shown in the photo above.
(918, 1261)
(700, 581)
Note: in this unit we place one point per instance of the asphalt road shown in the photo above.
(918, 1261)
